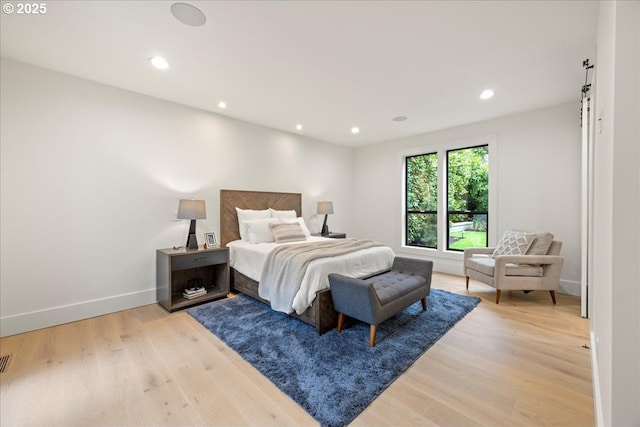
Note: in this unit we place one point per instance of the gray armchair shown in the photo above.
(529, 272)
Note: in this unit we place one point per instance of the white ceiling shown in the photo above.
(329, 65)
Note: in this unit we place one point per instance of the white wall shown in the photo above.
(538, 172)
(90, 178)
(615, 292)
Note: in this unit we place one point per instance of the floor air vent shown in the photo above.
(4, 363)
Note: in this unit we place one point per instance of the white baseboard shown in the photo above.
(448, 266)
(25, 322)
(570, 287)
(597, 399)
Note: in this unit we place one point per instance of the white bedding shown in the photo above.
(248, 259)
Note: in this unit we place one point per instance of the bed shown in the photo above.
(320, 313)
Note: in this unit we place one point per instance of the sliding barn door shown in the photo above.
(587, 196)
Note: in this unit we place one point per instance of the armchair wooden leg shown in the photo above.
(498, 296)
(424, 303)
(340, 321)
(467, 282)
(372, 335)
(553, 296)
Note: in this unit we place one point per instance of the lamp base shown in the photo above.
(325, 227)
(192, 242)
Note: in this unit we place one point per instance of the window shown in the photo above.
(460, 179)
(422, 201)
(467, 197)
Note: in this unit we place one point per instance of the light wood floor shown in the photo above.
(520, 363)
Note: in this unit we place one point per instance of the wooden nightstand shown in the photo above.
(174, 268)
(333, 235)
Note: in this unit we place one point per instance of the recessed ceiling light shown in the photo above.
(188, 15)
(399, 118)
(299, 126)
(486, 94)
(159, 62)
(355, 129)
(222, 105)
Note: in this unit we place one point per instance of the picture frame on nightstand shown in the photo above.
(210, 239)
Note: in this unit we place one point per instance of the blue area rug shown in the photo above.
(335, 376)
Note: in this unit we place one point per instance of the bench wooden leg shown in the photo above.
(340, 321)
(498, 296)
(553, 296)
(372, 335)
(424, 303)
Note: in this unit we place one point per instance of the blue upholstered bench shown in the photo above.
(375, 299)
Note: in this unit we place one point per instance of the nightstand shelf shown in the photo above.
(175, 267)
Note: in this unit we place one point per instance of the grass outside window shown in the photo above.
(468, 239)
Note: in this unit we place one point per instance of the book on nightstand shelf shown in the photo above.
(194, 292)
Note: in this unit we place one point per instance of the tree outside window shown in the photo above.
(422, 201)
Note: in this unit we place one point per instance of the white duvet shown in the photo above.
(249, 258)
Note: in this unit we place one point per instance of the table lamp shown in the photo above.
(324, 208)
(192, 210)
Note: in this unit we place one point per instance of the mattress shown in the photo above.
(248, 259)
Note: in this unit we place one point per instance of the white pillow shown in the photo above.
(258, 230)
(249, 214)
(283, 214)
(303, 226)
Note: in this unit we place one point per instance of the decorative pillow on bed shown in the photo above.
(287, 232)
(514, 243)
(283, 214)
(300, 221)
(249, 214)
(258, 230)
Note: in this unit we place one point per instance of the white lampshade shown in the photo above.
(192, 209)
(324, 208)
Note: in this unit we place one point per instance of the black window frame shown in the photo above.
(450, 212)
(418, 212)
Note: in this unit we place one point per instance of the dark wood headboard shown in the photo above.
(232, 199)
